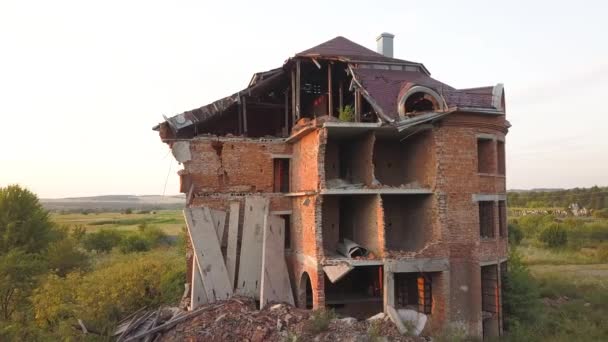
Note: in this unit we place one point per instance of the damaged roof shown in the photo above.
(387, 86)
(373, 73)
(342, 48)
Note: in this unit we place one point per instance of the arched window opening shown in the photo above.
(305, 292)
(419, 102)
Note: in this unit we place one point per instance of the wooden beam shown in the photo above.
(298, 86)
(341, 96)
(244, 115)
(233, 234)
(293, 96)
(357, 105)
(286, 113)
(240, 117)
(330, 100)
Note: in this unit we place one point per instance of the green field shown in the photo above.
(170, 221)
(571, 279)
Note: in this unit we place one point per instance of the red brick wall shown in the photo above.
(233, 164)
(306, 163)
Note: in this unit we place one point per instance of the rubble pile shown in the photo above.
(238, 319)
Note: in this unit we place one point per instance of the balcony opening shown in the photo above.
(500, 151)
(281, 175)
(414, 291)
(485, 156)
(350, 217)
(359, 294)
(502, 218)
(408, 222)
(486, 219)
(405, 163)
(490, 301)
(348, 160)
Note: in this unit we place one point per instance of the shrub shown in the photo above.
(64, 256)
(320, 319)
(129, 211)
(134, 243)
(515, 234)
(601, 213)
(347, 113)
(521, 294)
(553, 235)
(102, 241)
(100, 298)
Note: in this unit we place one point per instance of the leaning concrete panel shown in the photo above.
(207, 250)
(233, 234)
(276, 286)
(198, 296)
(250, 266)
(219, 221)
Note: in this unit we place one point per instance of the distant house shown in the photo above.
(412, 178)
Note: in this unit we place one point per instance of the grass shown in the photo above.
(575, 304)
(170, 221)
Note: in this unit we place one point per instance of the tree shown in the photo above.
(24, 223)
(17, 278)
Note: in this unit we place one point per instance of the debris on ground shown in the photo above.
(238, 319)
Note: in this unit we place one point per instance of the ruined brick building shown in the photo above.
(391, 183)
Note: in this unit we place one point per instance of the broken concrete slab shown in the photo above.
(394, 316)
(181, 151)
(233, 234)
(276, 286)
(250, 266)
(205, 243)
(337, 272)
(417, 319)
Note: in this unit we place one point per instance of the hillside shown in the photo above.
(114, 203)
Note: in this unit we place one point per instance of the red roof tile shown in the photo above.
(342, 47)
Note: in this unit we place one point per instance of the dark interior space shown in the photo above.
(281, 175)
(359, 294)
(486, 219)
(348, 160)
(414, 291)
(351, 217)
(485, 156)
(408, 223)
(490, 300)
(412, 160)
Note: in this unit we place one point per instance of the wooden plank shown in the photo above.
(337, 272)
(198, 296)
(298, 85)
(209, 255)
(276, 286)
(250, 266)
(233, 234)
(244, 101)
(330, 99)
(219, 222)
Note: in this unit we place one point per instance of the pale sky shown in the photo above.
(83, 82)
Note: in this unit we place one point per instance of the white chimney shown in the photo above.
(385, 44)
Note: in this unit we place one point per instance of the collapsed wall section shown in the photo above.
(237, 165)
